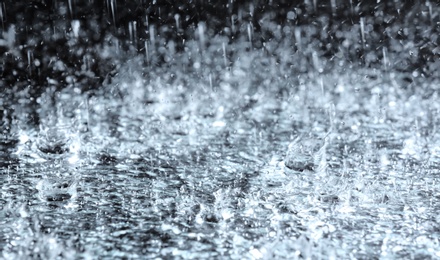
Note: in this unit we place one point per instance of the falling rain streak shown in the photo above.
(2, 15)
(132, 31)
(111, 4)
(225, 58)
(201, 35)
(249, 32)
(362, 31)
(71, 8)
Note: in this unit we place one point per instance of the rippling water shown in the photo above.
(332, 166)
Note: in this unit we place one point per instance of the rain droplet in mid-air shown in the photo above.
(362, 31)
(225, 59)
(201, 35)
(2, 14)
(30, 57)
(147, 56)
(132, 32)
(75, 28)
(250, 30)
(177, 19)
(333, 5)
(298, 38)
(70, 8)
(385, 58)
(113, 9)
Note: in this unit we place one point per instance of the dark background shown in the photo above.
(41, 28)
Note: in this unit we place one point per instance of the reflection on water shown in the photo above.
(296, 173)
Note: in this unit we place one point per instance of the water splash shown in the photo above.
(235, 153)
(306, 153)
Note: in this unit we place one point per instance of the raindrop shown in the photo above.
(333, 6)
(132, 32)
(351, 7)
(86, 63)
(431, 16)
(152, 32)
(250, 30)
(70, 7)
(233, 24)
(316, 62)
(3, 14)
(147, 56)
(362, 31)
(113, 11)
(225, 59)
(298, 38)
(30, 57)
(177, 19)
(201, 35)
(75, 28)
(84, 117)
(385, 58)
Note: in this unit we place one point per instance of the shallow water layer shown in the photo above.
(332, 166)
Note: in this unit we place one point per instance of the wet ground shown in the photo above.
(320, 165)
